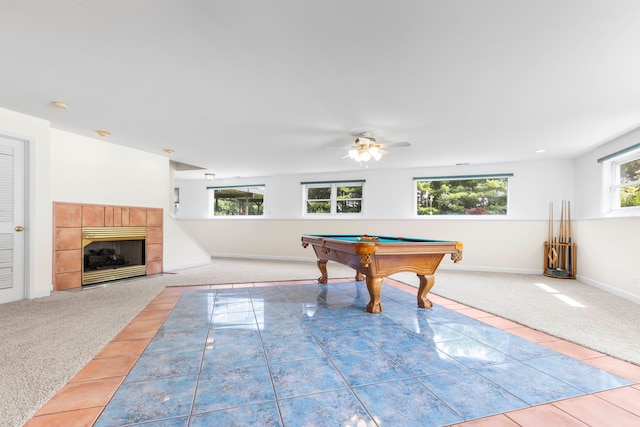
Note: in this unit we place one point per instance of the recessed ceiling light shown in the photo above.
(168, 151)
(60, 105)
(103, 133)
(541, 151)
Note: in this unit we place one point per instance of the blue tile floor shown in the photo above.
(309, 355)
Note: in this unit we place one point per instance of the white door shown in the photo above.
(12, 229)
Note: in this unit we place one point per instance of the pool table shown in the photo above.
(375, 257)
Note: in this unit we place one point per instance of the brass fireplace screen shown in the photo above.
(112, 253)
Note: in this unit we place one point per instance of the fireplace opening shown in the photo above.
(112, 253)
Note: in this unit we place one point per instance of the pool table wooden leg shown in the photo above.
(374, 286)
(322, 265)
(426, 283)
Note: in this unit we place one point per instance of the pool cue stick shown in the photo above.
(552, 256)
(564, 207)
(561, 237)
(552, 249)
(549, 234)
(566, 233)
(569, 248)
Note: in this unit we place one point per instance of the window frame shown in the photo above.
(611, 182)
(212, 199)
(462, 178)
(333, 212)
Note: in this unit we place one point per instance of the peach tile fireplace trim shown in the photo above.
(68, 220)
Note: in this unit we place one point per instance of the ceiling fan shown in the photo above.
(366, 147)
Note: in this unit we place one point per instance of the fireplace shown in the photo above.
(80, 229)
(112, 253)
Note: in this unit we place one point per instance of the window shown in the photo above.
(176, 201)
(333, 198)
(237, 200)
(627, 187)
(462, 195)
(623, 184)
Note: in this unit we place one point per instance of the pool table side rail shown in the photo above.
(403, 246)
(383, 239)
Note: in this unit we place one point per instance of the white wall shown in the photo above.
(490, 245)
(89, 170)
(589, 175)
(389, 192)
(181, 250)
(608, 251)
(38, 227)
(510, 244)
(608, 255)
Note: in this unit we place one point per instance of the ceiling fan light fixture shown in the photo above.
(366, 148)
(60, 105)
(365, 153)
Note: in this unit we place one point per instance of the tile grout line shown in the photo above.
(143, 350)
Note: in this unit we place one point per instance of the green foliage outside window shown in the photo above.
(319, 200)
(238, 201)
(318, 206)
(630, 184)
(347, 199)
(479, 196)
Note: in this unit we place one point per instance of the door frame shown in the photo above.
(28, 287)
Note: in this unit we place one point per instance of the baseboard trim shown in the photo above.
(443, 266)
(39, 294)
(263, 257)
(617, 292)
(470, 269)
(183, 266)
(453, 267)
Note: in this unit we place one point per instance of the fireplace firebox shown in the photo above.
(112, 253)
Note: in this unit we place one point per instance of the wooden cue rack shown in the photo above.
(559, 251)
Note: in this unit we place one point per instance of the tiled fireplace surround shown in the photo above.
(68, 220)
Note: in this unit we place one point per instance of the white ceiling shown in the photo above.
(257, 88)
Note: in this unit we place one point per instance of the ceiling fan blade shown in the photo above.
(397, 144)
(340, 147)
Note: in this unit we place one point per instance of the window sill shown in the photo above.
(623, 213)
